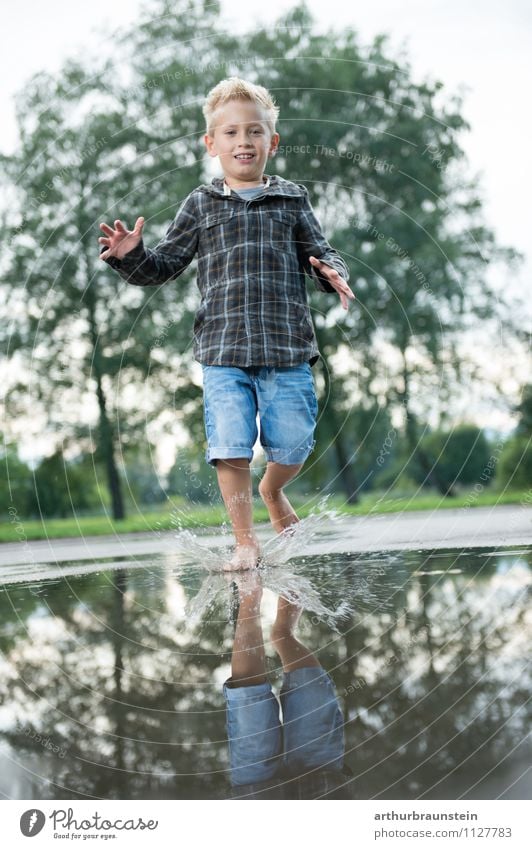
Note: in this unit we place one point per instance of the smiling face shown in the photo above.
(243, 141)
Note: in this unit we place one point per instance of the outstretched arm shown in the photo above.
(151, 267)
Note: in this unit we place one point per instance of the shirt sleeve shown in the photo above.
(169, 258)
(312, 242)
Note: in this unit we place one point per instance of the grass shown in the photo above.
(179, 514)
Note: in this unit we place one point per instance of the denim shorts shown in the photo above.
(311, 736)
(284, 398)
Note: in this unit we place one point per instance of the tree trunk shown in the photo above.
(107, 450)
(345, 464)
(106, 435)
(413, 442)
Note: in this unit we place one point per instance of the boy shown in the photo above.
(301, 757)
(255, 236)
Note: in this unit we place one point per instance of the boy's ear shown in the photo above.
(274, 144)
(209, 144)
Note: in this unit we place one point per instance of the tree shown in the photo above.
(16, 484)
(457, 456)
(192, 477)
(382, 160)
(61, 488)
(379, 154)
(514, 469)
(524, 411)
(79, 331)
(141, 480)
(381, 157)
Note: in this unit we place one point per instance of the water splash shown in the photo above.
(295, 541)
(213, 586)
(192, 549)
(282, 567)
(298, 539)
(299, 589)
(290, 567)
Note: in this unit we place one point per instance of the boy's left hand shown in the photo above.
(337, 282)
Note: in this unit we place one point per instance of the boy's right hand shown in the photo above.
(120, 241)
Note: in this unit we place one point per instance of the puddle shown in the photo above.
(112, 670)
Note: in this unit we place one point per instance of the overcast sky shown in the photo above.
(484, 45)
(480, 47)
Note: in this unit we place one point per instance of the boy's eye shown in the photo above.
(230, 132)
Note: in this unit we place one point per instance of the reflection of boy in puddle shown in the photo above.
(303, 757)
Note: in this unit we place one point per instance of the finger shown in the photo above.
(139, 224)
(103, 241)
(331, 274)
(106, 229)
(343, 299)
(119, 226)
(343, 286)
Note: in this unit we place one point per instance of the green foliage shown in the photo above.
(524, 411)
(514, 469)
(62, 488)
(459, 456)
(402, 473)
(193, 478)
(55, 488)
(367, 434)
(16, 485)
(141, 481)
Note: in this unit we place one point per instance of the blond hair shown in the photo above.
(235, 88)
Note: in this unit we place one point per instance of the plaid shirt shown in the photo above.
(252, 258)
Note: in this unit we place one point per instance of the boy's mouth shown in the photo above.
(244, 157)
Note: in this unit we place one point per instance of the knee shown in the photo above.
(275, 478)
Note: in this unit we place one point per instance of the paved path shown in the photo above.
(448, 528)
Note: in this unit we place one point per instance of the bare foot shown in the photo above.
(244, 557)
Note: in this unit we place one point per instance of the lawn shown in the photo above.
(178, 514)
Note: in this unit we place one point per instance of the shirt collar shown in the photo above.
(273, 185)
(266, 183)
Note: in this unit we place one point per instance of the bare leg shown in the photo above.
(234, 480)
(293, 654)
(248, 661)
(282, 514)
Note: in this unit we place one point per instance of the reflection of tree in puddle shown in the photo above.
(429, 670)
(129, 717)
(444, 698)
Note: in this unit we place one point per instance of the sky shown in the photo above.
(480, 48)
